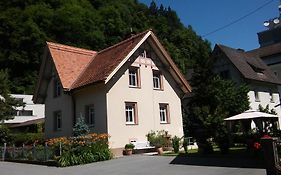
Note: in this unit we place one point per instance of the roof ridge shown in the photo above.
(71, 48)
(124, 41)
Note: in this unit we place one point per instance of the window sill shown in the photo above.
(271, 101)
(163, 123)
(131, 124)
(158, 89)
(257, 101)
(136, 87)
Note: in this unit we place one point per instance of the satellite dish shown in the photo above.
(276, 21)
(266, 23)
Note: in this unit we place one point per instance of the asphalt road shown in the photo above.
(132, 165)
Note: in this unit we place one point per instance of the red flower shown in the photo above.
(257, 146)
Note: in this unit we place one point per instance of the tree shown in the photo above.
(212, 101)
(7, 103)
(92, 24)
(80, 128)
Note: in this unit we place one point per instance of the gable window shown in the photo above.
(134, 80)
(157, 80)
(164, 113)
(57, 120)
(131, 112)
(57, 88)
(90, 115)
(257, 98)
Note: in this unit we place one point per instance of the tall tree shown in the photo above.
(7, 103)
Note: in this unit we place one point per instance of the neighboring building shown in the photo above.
(243, 67)
(27, 115)
(125, 90)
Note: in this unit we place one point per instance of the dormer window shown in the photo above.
(134, 80)
(57, 88)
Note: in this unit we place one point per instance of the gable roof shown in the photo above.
(69, 62)
(78, 67)
(266, 50)
(106, 61)
(249, 65)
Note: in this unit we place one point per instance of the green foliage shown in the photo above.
(80, 128)
(213, 100)
(27, 138)
(266, 110)
(84, 149)
(176, 143)
(157, 139)
(129, 146)
(5, 136)
(7, 103)
(26, 25)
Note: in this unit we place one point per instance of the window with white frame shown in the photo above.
(164, 113)
(131, 112)
(157, 80)
(57, 120)
(90, 115)
(57, 88)
(134, 80)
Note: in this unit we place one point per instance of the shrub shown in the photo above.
(82, 149)
(157, 139)
(80, 128)
(5, 136)
(176, 143)
(129, 146)
(27, 138)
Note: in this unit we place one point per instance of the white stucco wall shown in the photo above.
(147, 100)
(62, 103)
(93, 95)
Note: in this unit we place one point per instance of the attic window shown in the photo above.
(258, 70)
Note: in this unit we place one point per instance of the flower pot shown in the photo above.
(128, 152)
(159, 150)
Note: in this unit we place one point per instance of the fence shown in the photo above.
(39, 153)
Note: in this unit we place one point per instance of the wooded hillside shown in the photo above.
(25, 26)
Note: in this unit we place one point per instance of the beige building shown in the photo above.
(125, 90)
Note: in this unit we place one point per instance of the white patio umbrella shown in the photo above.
(251, 114)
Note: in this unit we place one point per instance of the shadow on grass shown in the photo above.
(235, 158)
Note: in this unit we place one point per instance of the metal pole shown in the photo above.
(60, 149)
(4, 152)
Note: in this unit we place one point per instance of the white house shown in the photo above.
(28, 114)
(125, 90)
(248, 68)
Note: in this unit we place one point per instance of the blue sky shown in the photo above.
(207, 15)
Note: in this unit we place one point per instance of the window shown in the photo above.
(271, 97)
(90, 115)
(24, 113)
(57, 88)
(134, 80)
(131, 112)
(57, 120)
(164, 113)
(157, 80)
(257, 98)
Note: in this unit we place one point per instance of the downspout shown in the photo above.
(73, 108)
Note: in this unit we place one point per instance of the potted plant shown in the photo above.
(129, 149)
(158, 140)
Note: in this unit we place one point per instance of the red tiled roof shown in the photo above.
(106, 61)
(69, 61)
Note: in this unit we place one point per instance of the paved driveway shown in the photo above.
(133, 165)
